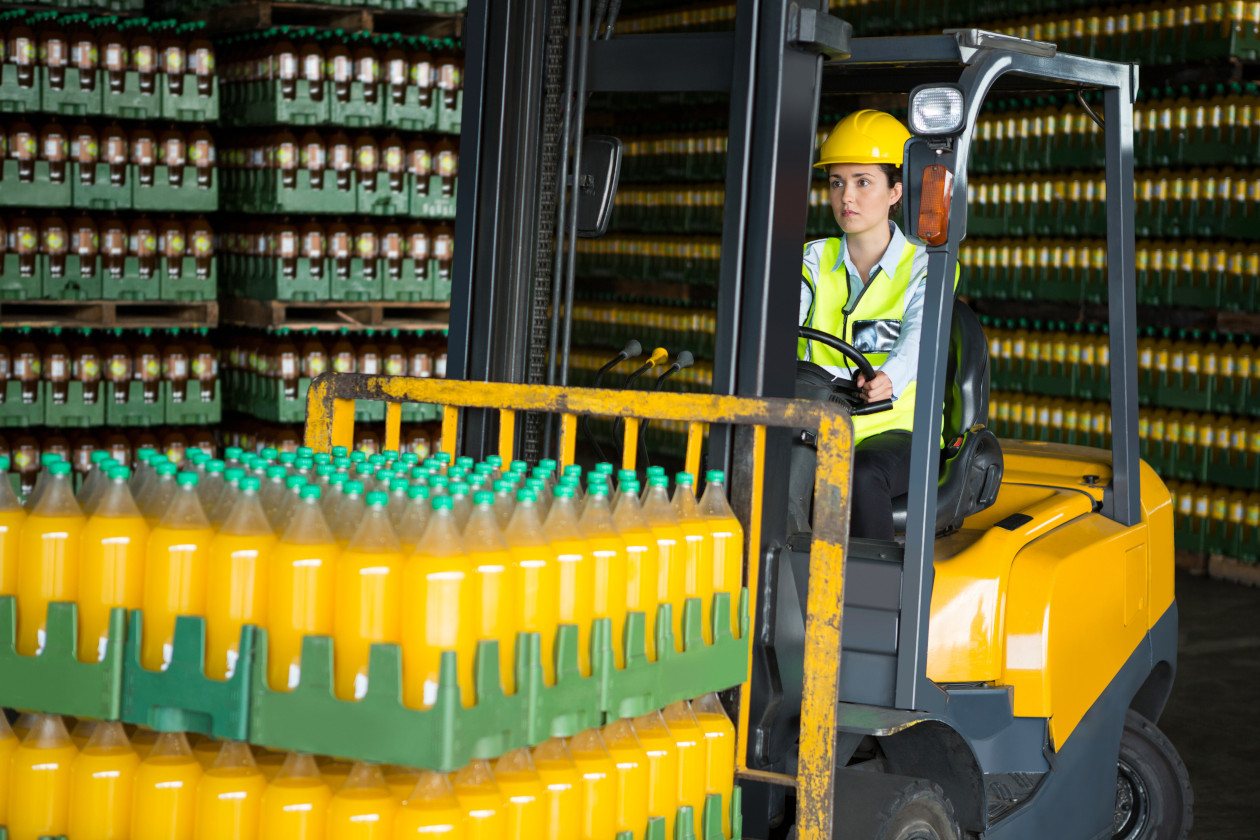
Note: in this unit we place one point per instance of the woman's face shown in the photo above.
(860, 196)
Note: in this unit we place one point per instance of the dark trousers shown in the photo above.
(881, 472)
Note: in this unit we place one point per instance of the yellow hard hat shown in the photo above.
(865, 137)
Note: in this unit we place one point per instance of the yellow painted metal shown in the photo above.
(331, 394)
(753, 572)
(393, 426)
(630, 443)
(507, 434)
(695, 440)
(568, 439)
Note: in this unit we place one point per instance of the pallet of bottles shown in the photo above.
(437, 623)
(667, 775)
(678, 259)
(1217, 521)
(611, 323)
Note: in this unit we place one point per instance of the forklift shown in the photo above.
(997, 670)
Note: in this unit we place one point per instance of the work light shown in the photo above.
(936, 110)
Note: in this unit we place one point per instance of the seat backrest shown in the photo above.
(966, 375)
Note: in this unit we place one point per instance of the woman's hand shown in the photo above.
(879, 388)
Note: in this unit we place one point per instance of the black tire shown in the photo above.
(921, 812)
(1154, 800)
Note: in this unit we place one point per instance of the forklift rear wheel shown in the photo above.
(1154, 800)
(918, 811)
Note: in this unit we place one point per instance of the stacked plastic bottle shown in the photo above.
(90, 779)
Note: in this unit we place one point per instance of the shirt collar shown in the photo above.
(887, 263)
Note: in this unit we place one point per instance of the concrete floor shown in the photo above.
(1213, 716)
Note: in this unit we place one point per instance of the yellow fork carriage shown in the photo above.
(330, 422)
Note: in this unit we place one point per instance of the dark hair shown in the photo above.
(893, 174)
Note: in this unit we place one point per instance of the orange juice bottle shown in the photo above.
(335, 773)
(369, 599)
(430, 811)
(236, 592)
(563, 802)
(164, 797)
(50, 546)
(438, 609)
(414, 519)
(269, 762)
(524, 796)
(349, 512)
(39, 780)
(698, 552)
(728, 542)
(494, 586)
(401, 780)
(537, 578)
(206, 750)
(641, 559)
(719, 752)
(662, 753)
(608, 559)
(599, 783)
(364, 808)
(101, 785)
(155, 495)
(12, 517)
(175, 571)
(481, 800)
(295, 803)
(631, 772)
(690, 742)
(575, 571)
(229, 795)
(302, 580)
(671, 552)
(111, 563)
(8, 745)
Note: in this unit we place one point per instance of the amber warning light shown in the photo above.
(933, 225)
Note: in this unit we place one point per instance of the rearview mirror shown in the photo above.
(597, 184)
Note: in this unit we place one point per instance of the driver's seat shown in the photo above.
(971, 462)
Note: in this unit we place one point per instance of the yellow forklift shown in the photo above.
(997, 670)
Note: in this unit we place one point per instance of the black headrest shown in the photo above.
(967, 374)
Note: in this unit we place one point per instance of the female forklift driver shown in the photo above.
(866, 287)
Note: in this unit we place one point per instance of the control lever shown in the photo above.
(659, 355)
(632, 350)
(684, 359)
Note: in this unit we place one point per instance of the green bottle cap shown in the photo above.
(234, 474)
(396, 484)
(684, 478)
(377, 499)
(187, 479)
(59, 468)
(564, 491)
(651, 471)
(305, 452)
(294, 481)
(604, 467)
(495, 461)
(438, 481)
(339, 451)
(526, 495)
(442, 502)
(146, 452)
(715, 476)
(631, 487)
(417, 491)
(270, 453)
(323, 458)
(166, 469)
(324, 469)
(4, 463)
(354, 488)
(99, 455)
(119, 473)
(458, 488)
(483, 497)
(250, 483)
(443, 457)
(287, 458)
(658, 481)
(215, 466)
(275, 471)
(49, 458)
(503, 486)
(338, 479)
(311, 491)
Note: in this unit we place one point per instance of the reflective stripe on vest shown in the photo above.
(872, 326)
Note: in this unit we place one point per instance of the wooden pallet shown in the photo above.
(262, 14)
(107, 314)
(336, 315)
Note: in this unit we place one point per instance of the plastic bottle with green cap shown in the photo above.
(175, 571)
(293, 485)
(415, 517)
(46, 460)
(608, 561)
(295, 803)
(575, 581)
(211, 484)
(301, 582)
(369, 596)
(504, 501)
(438, 608)
(39, 780)
(670, 551)
(96, 477)
(236, 591)
(462, 494)
(271, 491)
(101, 782)
(364, 799)
(642, 558)
(698, 549)
(542, 491)
(143, 470)
(12, 518)
(345, 520)
(227, 496)
(728, 541)
(494, 584)
(157, 493)
(333, 495)
(651, 471)
(49, 556)
(397, 491)
(111, 563)
(537, 581)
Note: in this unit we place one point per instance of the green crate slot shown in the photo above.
(71, 99)
(447, 735)
(409, 114)
(131, 284)
(356, 111)
(131, 104)
(73, 284)
(193, 411)
(14, 412)
(188, 197)
(449, 120)
(187, 285)
(434, 205)
(101, 195)
(135, 411)
(13, 97)
(55, 680)
(266, 280)
(182, 698)
(74, 412)
(410, 285)
(263, 191)
(383, 201)
(41, 191)
(190, 106)
(263, 103)
(355, 285)
(15, 286)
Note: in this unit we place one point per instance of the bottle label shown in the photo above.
(395, 366)
(367, 158)
(316, 364)
(446, 163)
(421, 162)
(173, 60)
(288, 366)
(343, 363)
(288, 66)
(422, 74)
(143, 59)
(313, 68)
(313, 157)
(179, 367)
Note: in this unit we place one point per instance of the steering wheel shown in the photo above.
(847, 391)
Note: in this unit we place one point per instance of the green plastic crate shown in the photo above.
(381, 200)
(74, 412)
(16, 286)
(449, 120)
(131, 284)
(182, 698)
(41, 191)
(17, 414)
(264, 192)
(358, 286)
(409, 115)
(421, 412)
(101, 194)
(188, 197)
(434, 205)
(414, 283)
(193, 411)
(135, 411)
(271, 282)
(130, 103)
(263, 103)
(73, 284)
(70, 99)
(190, 106)
(357, 111)
(55, 681)
(186, 285)
(14, 98)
